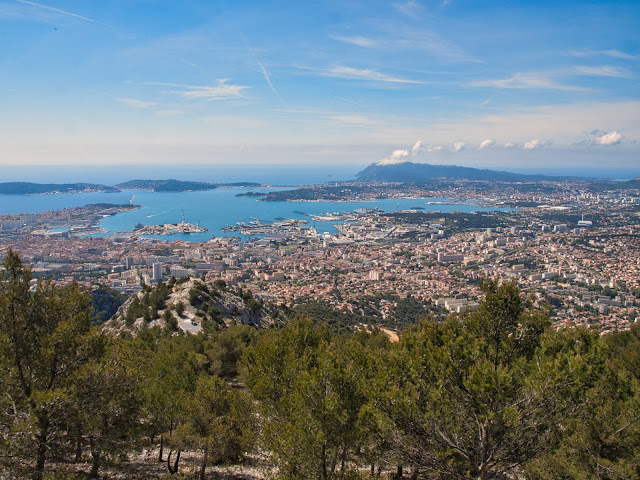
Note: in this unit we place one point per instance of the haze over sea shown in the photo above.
(214, 209)
(278, 174)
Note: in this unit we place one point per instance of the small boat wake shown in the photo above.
(156, 214)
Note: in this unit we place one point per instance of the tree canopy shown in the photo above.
(490, 394)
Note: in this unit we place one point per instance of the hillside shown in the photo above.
(28, 188)
(191, 305)
(633, 184)
(424, 172)
(170, 185)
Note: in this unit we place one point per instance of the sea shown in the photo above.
(215, 209)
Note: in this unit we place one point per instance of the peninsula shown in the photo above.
(28, 188)
(170, 185)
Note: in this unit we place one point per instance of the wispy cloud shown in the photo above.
(349, 101)
(356, 40)
(132, 102)
(602, 71)
(402, 37)
(525, 81)
(393, 36)
(362, 74)
(268, 79)
(187, 62)
(57, 10)
(355, 120)
(613, 53)
(410, 8)
(221, 91)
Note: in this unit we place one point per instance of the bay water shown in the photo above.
(213, 209)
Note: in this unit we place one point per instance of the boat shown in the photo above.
(363, 211)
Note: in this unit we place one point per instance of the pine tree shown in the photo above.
(43, 342)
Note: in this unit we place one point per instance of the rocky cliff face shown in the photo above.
(191, 305)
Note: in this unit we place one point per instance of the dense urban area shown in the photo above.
(577, 250)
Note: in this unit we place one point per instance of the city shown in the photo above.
(575, 250)
(326, 240)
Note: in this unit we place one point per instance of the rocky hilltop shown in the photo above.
(191, 305)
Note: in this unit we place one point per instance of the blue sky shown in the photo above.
(515, 85)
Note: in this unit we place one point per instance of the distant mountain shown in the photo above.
(424, 172)
(27, 188)
(170, 185)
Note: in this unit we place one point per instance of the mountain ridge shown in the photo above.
(422, 172)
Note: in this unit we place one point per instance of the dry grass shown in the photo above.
(144, 465)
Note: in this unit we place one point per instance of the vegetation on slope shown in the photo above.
(493, 393)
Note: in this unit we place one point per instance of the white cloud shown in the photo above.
(362, 74)
(434, 148)
(457, 146)
(608, 139)
(354, 120)
(132, 102)
(409, 8)
(403, 37)
(356, 40)
(533, 144)
(486, 144)
(613, 53)
(417, 148)
(221, 91)
(342, 99)
(509, 145)
(602, 71)
(187, 62)
(525, 81)
(57, 10)
(268, 79)
(562, 124)
(398, 156)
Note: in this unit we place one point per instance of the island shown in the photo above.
(252, 194)
(170, 185)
